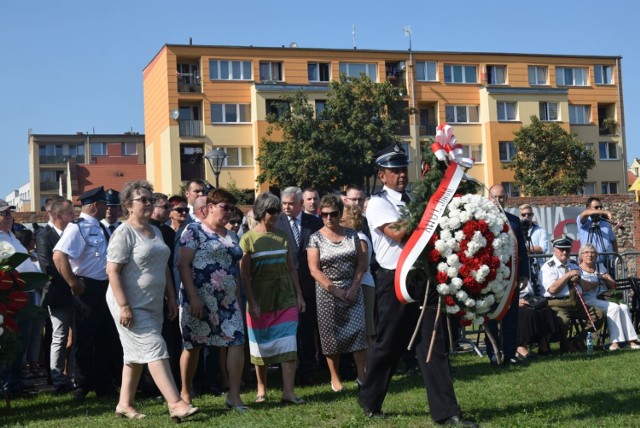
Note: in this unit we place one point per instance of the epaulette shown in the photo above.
(380, 194)
(551, 263)
(78, 220)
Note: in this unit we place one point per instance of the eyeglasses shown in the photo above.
(356, 199)
(599, 207)
(181, 210)
(198, 191)
(526, 215)
(332, 214)
(227, 207)
(144, 200)
(272, 211)
(6, 213)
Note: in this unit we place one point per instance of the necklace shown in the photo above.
(335, 235)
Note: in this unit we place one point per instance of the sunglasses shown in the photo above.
(144, 200)
(272, 211)
(6, 213)
(181, 210)
(526, 215)
(227, 207)
(599, 207)
(332, 214)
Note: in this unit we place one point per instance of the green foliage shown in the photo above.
(244, 196)
(549, 160)
(361, 117)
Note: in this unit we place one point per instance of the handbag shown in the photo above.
(536, 302)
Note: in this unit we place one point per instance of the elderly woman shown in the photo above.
(210, 314)
(178, 214)
(274, 298)
(353, 219)
(139, 282)
(597, 280)
(337, 262)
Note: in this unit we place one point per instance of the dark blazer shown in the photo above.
(57, 293)
(523, 256)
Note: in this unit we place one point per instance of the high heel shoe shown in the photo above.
(128, 415)
(177, 417)
(240, 408)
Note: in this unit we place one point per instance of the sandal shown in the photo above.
(262, 398)
(634, 345)
(614, 346)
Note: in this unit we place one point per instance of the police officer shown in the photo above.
(395, 322)
(112, 216)
(81, 258)
(558, 276)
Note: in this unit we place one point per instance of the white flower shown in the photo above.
(478, 321)
(453, 309)
(6, 250)
(481, 274)
(442, 267)
(1, 319)
(459, 235)
(1, 331)
(461, 295)
(443, 288)
(456, 283)
(452, 272)
(470, 303)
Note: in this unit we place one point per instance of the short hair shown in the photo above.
(353, 187)
(353, 218)
(525, 207)
(309, 189)
(58, 206)
(265, 201)
(332, 201)
(131, 187)
(591, 199)
(292, 191)
(220, 195)
(50, 200)
(176, 200)
(159, 195)
(194, 180)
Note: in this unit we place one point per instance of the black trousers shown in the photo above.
(98, 353)
(395, 324)
(508, 337)
(307, 336)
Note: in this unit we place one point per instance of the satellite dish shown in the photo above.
(175, 114)
(293, 45)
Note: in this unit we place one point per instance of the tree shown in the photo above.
(361, 117)
(549, 160)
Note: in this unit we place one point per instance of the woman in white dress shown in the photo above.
(139, 283)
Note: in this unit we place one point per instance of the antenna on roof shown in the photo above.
(190, 41)
(353, 35)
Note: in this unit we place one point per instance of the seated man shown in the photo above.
(560, 278)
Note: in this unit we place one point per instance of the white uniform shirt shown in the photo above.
(85, 244)
(106, 225)
(384, 208)
(553, 270)
(367, 278)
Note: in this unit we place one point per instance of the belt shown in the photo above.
(94, 280)
(558, 298)
(386, 270)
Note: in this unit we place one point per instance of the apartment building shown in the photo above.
(197, 98)
(70, 164)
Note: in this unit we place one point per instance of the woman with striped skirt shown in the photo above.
(273, 298)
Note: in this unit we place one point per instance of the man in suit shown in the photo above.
(510, 321)
(299, 226)
(111, 218)
(194, 188)
(57, 295)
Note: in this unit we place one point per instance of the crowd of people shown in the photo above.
(182, 295)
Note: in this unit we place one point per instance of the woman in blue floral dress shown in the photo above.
(210, 314)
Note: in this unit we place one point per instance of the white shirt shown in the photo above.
(86, 246)
(551, 271)
(384, 208)
(367, 278)
(539, 238)
(106, 225)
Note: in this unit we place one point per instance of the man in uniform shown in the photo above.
(559, 275)
(112, 216)
(395, 321)
(81, 258)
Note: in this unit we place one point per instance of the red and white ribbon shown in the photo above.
(446, 147)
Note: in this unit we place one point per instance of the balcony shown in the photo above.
(427, 130)
(191, 128)
(49, 185)
(59, 159)
(191, 85)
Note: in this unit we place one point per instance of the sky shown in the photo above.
(76, 66)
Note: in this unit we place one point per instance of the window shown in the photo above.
(230, 113)
(572, 76)
(511, 189)
(321, 105)
(507, 151)
(238, 156)
(507, 111)
(608, 151)
(129, 149)
(460, 73)
(77, 152)
(276, 107)
(229, 70)
(589, 189)
(473, 151)
(603, 74)
(538, 74)
(271, 71)
(98, 149)
(407, 150)
(355, 70)
(319, 71)
(579, 114)
(496, 74)
(461, 114)
(609, 187)
(427, 71)
(548, 111)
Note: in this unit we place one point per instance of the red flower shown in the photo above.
(505, 227)
(464, 271)
(18, 299)
(442, 277)
(465, 322)
(461, 313)
(433, 256)
(433, 239)
(16, 276)
(449, 301)
(10, 324)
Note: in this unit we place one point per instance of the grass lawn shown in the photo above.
(562, 390)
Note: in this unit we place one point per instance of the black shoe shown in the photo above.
(373, 414)
(515, 362)
(458, 421)
(64, 388)
(79, 395)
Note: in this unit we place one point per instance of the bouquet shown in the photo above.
(14, 301)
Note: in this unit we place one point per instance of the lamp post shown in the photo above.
(216, 158)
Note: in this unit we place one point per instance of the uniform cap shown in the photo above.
(391, 157)
(113, 197)
(5, 206)
(563, 242)
(94, 195)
